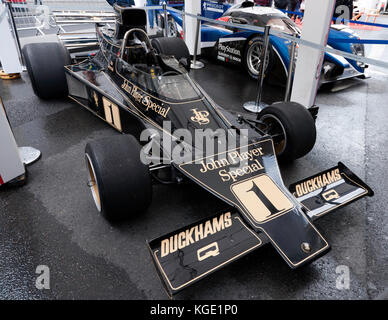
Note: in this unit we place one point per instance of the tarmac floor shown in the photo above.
(52, 220)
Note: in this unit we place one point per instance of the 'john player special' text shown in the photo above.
(234, 158)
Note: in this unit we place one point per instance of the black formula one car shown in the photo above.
(135, 83)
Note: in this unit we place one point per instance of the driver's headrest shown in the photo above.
(129, 18)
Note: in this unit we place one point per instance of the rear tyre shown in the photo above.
(292, 127)
(120, 183)
(171, 47)
(45, 66)
(252, 57)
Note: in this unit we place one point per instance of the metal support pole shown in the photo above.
(263, 64)
(197, 64)
(258, 105)
(15, 32)
(290, 75)
(165, 33)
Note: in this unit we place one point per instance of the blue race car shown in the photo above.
(237, 46)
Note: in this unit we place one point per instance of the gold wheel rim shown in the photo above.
(92, 183)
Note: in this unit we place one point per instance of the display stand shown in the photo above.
(258, 105)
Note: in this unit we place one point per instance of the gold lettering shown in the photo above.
(204, 168)
(299, 191)
(233, 156)
(337, 174)
(189, 238)
(185, 238)
(259, 165)
(228, 219)
(208, 229)
(224, 162)
(224, 175)
(218, 224)
(319, 182)
(324, 179)
(330, 177)
(198, 232)
(173, 243)
(146, 101)
(181, 243)
(308, 185)
(303, 186)
(164, 246)
(166, 112)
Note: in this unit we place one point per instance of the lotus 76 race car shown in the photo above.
(133, 83)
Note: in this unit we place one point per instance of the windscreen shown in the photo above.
(176, 87)
(170, 86)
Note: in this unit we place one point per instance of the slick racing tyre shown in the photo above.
(292, 127)
(171, 47)
(252, 57)
(45, 66)
(120, 183)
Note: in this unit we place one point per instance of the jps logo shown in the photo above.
(200, 117)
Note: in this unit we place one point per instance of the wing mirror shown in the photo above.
(185, 63)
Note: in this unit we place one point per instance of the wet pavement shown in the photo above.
(52, 220)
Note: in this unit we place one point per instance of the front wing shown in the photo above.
(191, 253)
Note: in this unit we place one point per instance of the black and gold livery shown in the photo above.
(133, 82)
(228, 236)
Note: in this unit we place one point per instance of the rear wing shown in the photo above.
(189, 254)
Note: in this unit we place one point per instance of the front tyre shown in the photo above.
(120, 183)
(292, 128)
(252, 57)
